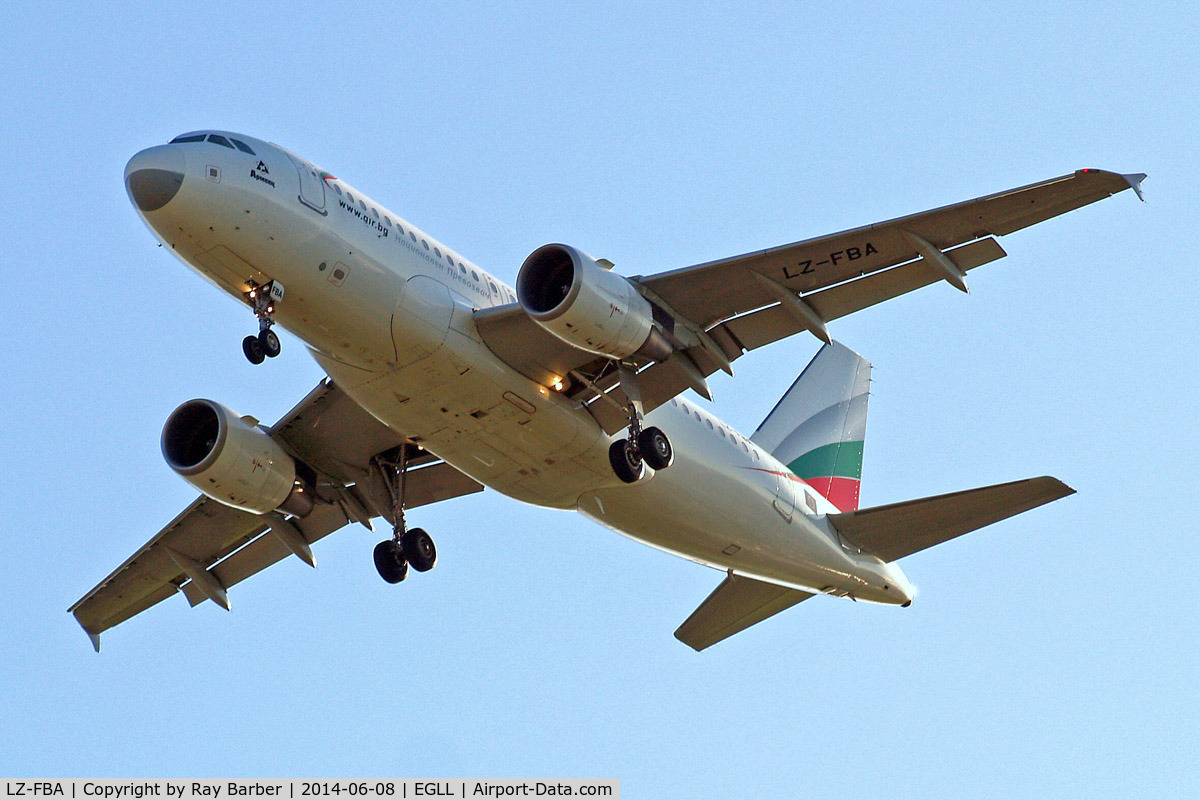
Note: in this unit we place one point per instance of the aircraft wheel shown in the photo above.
(626, 462)
(269, 342)
(253, 350)
(389, 561)
(418, 549)
(655, 448)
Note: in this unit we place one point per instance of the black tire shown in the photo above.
(389, 562)
(656, 448)
(626, 462)
(253, 350)
(419, 550)
(269, 342)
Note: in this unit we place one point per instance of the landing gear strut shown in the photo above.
(629, 456)
(407, 547)
(263, 299)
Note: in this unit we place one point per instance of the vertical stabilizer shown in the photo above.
(818, 426)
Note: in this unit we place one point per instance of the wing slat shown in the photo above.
(717, 290)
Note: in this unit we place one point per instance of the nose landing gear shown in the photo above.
(263, 299)
(407, 547)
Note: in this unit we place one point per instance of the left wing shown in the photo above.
(724, 308)
(210, 547)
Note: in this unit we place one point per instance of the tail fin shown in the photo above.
(818, 426)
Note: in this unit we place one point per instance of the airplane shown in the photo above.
(565, 391)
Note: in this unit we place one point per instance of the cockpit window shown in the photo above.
(195, 137)
(221, 140)
(240, 145)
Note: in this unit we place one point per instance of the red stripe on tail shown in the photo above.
(842, 492)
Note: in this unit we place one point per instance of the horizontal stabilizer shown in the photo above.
(901, 529)
(734, 606)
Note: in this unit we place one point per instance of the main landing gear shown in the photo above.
(630, 456)
(407, 547)
(263, 299)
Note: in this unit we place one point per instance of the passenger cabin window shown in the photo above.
(474, 275)
(493, 286)
(195, 137)
(221, 140)
(374, 213)
(439, 252)
(412, 236)
(240, 145)
(425, 243)
(337, 189)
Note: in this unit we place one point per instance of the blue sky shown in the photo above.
(1054, 653)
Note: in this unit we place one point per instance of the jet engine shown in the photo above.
(577, 300)
(232, 460)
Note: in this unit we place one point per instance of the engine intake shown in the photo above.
(232, 461)
(569, 294)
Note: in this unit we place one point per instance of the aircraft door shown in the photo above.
(312, 185)
(785, 496)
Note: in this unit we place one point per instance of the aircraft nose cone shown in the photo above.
(153, 176)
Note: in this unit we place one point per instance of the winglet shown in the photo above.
(1135, 183)
(95, 637)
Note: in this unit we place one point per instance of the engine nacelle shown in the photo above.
(566, 292)
(232, 461)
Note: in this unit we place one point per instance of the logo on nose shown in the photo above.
(262, 168)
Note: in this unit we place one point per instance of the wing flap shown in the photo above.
(205, 530)
(732, 607)
(717, 290)
(268, 549)
(767, 325)
(901, 529)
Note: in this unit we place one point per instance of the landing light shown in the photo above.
(558, 384)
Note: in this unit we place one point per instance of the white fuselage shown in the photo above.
(387, 311)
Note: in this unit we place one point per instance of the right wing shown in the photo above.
(735, 605)
(210, 547)
(901, 529)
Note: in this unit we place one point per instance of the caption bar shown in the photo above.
(229, 790)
